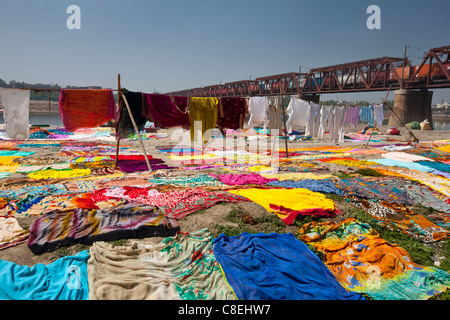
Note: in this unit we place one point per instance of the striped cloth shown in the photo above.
(366, 114)
(352, 115)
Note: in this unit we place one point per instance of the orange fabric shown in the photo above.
(86, 108)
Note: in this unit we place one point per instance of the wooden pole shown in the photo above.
(117, 117)
(137, 132)
(285, 129)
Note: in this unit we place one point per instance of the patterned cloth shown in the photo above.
(59, 228)
(393, 215)
(179, 267)
(363, 262)
(11, 233)
(372, 190)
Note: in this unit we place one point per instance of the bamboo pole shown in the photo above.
(117, 117)
(285, 128)
(137, 132)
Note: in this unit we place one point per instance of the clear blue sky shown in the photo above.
(172, 44)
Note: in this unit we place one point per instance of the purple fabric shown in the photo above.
(352, 115)
(242, 179)
(167, 111)
(130, 166)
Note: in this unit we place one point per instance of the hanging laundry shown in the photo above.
(167, 111)
(312, 126)
(352, 115)
(298, 112)
(232, 113)
(337, 125)
(86, 108)
(276, 267)
(258, 108)
(366, 114)
(203, 115)
(124, 125)
(275, 114)
(378, 114)
(16, 105)
(325, 116)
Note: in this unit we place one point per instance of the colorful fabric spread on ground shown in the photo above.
(86, 108)
(365, 263)
(275, 267)
(193, 181)
(323, 186)
(372, 190)
(64, 279)
(243, 179)
(124, 221)
(181, 267)
(11, 233)
(175, 204)
(288, 203)
(391, 215)
(167, 111)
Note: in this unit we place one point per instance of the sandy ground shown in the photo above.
(208, 218)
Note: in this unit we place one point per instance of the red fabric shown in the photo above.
(167, 111)
(232, 113)
(292, 214)
(86, 108)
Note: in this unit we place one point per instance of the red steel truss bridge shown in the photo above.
(378, 74)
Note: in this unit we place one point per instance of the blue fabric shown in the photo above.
(435, 165)
(403, 164)
(322, 186)
(64, 279)
(276, 267)
(366, 114)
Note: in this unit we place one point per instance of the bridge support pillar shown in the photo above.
(310, 97)
(411, 105)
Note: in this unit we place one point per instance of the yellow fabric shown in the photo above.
(7, 164)
(445, 148)
(353, 163)
(59, 174)
(295, 199)
(205, 111)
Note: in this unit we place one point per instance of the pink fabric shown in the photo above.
(242, 179)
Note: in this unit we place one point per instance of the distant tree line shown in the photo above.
(41, 95)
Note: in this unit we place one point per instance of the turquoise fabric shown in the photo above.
(64, 279)
(403, 164)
